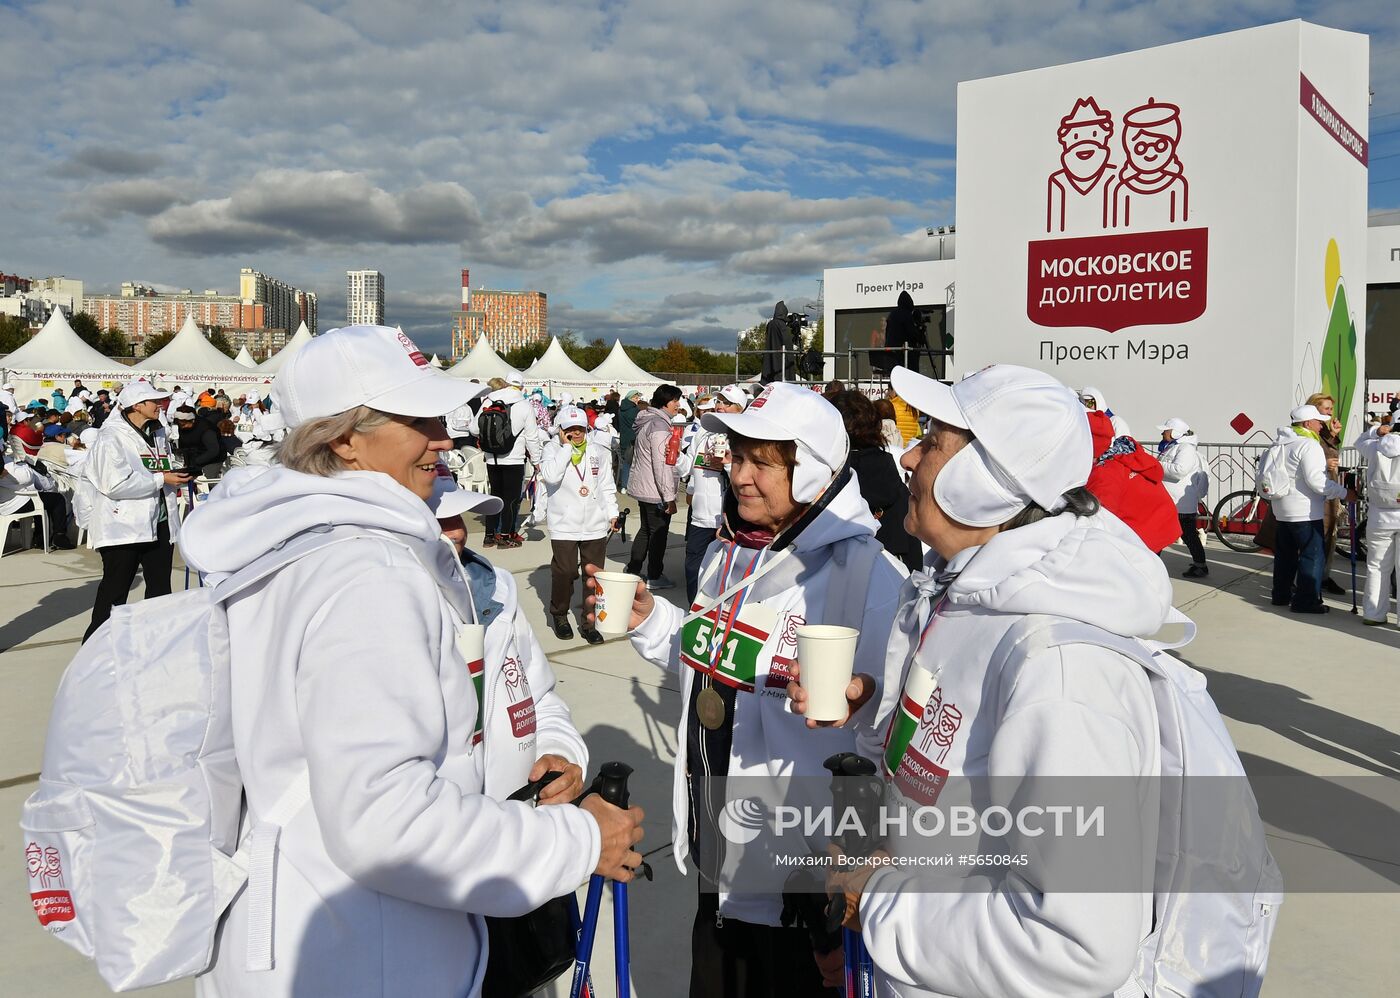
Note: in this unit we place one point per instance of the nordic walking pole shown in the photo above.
(854, 784)
(611, 785)
(1351, 520)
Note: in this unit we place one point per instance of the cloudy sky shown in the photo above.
(658, 167)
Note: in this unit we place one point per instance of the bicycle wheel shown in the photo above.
(1237, 519)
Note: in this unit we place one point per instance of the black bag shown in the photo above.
(493, 427)
(528, 951)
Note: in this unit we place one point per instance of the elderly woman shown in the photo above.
(349, 673)
(797, 546)
(1015, 535)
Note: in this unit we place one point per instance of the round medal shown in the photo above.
(583, 490)
(709, 708)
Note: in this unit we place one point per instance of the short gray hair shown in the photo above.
(307, 447)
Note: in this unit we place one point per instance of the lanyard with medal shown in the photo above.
(578, 470)
(709, 705)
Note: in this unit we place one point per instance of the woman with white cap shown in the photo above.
(708, 463)
(1184, 475)
(358, 685)
(1093, 398)
(510, 435)
(582, 501)
(135, 519)
(1015, 535)
(797, 546)
(261, 449)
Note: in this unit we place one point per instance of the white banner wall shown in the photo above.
(1133, 223)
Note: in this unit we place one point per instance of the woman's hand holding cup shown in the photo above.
(642, 601)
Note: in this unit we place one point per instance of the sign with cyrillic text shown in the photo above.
(1181, 228)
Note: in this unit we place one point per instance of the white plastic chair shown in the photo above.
(6, 519)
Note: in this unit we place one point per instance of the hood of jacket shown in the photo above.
(905, 301)
(257, 509)
(1089, 568)
(780, 310)
(652, 418)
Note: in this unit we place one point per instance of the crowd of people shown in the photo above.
(390, 666)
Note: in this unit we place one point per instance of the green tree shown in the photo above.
(114, 343)
(154, 342)
(755, 339)
(674, 358)
(522, 357)
(87, 328)
(219, 338)
(14, 333)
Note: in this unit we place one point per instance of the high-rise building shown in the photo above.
(509, 319)
(262, 314)
(286, 307)
(364, 298)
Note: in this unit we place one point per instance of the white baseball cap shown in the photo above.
(515, 381)
(269, 426)
(449, 500)
(790, 412)
(734, 395)
(138, 392)
(1177, 425)
(1006, 467)
(705, 404)
(374, 366)
(571, 416)
(1303, 413)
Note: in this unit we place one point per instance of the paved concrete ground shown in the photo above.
(1310, 701)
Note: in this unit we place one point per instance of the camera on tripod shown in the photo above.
(797, 321)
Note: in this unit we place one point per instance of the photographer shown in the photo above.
(904, 327)
(778, 340)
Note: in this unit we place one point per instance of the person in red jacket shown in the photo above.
(1128, 482)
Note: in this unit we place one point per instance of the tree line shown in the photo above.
(676, 357)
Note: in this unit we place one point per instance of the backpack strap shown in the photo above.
(258, 855)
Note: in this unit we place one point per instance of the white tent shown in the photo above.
(190, 357)
(555, 365)
(483, 363)
(274, 363)
(620, 369)
(436, 362)
(55, 357)
(245, 358)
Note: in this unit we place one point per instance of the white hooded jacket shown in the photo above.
(128, 490)
(1184, 474)
(529, 441)
(768, 739)
(345, 665)
(574, 517)
(1305, 458)
(1076, 710)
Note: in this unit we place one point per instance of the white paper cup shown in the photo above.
(826, 654)
(613, 611)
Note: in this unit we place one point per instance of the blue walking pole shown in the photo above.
(611, 785)
(854, 786)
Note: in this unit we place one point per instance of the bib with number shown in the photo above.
(154, 462)
(738, 660)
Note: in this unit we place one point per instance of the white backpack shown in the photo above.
(1204, 943)
(1274, 479)
(130, 842)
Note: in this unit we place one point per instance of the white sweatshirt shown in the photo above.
(1076, 710)
(1311, 486)
(128, 489)
(575, 517)
(770, 741)
(707, 487)
(1382, 454)
(529, 441)
(346, 663)
(1184, 474)
(21, 483)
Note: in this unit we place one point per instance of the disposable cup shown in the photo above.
(826, 655)
(613, 611)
